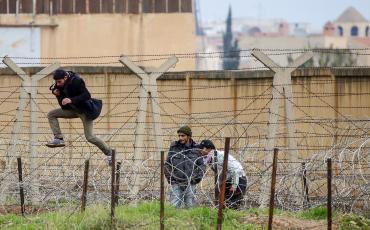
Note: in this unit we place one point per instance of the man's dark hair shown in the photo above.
(207, 143)
(59, 74)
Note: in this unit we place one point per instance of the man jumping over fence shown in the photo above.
(75, 102)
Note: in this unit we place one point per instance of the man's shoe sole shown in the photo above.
(55, 146)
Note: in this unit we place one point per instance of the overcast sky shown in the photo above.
(315, 12)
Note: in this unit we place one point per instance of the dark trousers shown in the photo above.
(234, 199)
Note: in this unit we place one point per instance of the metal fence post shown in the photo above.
(306, 199)
(162, 193)
(223, 186)
(217, 189)
(84, 186)
(272, 193)
(118, 172)
(113, 184)
(329, 175)
(21, 192)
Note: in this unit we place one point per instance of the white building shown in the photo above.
(352, 24)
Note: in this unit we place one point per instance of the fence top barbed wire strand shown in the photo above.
(193, 55)
(318, 50)
(201, 87)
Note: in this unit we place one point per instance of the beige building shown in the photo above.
(90, 28)
(352, 24)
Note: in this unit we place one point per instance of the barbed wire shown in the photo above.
(268, 51)
(200, 87)
(55, 181)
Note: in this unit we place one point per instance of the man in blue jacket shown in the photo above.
(184, 168)
(75, 102)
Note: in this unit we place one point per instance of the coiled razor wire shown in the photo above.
(60, 175)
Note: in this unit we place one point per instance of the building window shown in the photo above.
(340, 31)
(354, 31)
(367, 32)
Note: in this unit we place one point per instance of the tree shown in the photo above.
(231, 58)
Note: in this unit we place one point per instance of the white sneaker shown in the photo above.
(55, 143)
(109, 160)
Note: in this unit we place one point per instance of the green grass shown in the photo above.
(145, 216)
(318, 213)
(352, 222)
(346, 221)
(142, 216)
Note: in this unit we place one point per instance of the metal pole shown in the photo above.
(21, 192)
(329, 169)
(117, 181)
(272, 193)
(84, 187)
(162, 193)
(113, 184)
(305, 186)
(217, 189)
(223, 186)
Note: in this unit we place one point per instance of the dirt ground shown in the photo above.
(16, 209)
(289, 223)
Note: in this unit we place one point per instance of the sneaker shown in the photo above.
(109, 160)
(55, 143)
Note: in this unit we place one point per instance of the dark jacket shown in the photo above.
(75, 89)
(184, 164)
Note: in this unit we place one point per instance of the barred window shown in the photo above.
(95, 6)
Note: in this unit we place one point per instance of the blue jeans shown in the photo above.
(182, 194)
